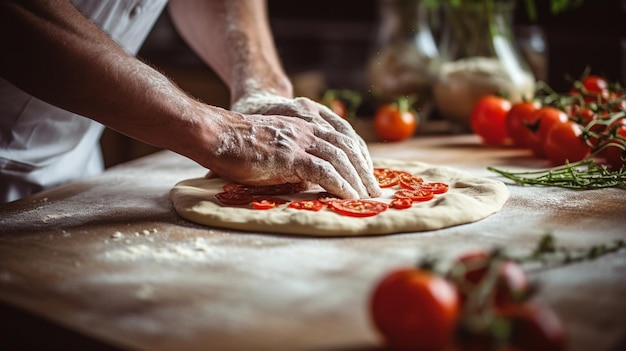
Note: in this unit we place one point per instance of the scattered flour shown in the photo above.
(197, 250)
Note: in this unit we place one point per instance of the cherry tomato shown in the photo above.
(541, 122)
(511, 280)
(338, 107)
(564, 143)
(517, 119)
(394, 123)
(614, 154)
(401, 203)
(415, 310)
(310, 205)
(358, 208)
(231, 198)
(488, 119)
(594, 89)
(534, 327)
(418, 195)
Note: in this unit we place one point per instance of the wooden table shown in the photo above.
(106, 263)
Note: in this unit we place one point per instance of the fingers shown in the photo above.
(350, 162)
(342, 126)
(319, 171)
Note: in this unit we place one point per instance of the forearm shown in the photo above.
(54, 53)
(234, 38)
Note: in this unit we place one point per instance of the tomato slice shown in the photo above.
(276, 189)
(409, 181)
(267, 202)
(401, 203)
(358, 208)
(417, 195)
(386, 177)
(435, 187)
(229, 198)
(327, 198)
(310, 205)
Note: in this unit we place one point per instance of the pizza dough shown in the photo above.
(468, 199)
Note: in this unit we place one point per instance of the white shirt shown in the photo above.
(42, 146)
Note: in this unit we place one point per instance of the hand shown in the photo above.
(326, 125)
(271, 149)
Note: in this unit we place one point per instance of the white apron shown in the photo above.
(42, 146)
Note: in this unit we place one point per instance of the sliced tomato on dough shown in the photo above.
(435, 187)
(401, 203)
(386, 177)
(229, 198)
(310, 205)
(417, 195)
(267, 202)
(409, 181)
(326, 198)
(358, 207)
(276, 189)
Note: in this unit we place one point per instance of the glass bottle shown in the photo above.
(481, 57)
(406, 58)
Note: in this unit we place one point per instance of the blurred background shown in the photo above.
(328, 45)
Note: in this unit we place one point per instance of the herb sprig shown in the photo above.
(585, 174)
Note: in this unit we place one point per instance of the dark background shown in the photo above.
(326, 44)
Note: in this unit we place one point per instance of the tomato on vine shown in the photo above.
(517, 120)
(541, 122)
(395, 121)
(488, 119)
(414, 309)
(564, 143)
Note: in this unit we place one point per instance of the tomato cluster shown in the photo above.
(464, 308)
(588, 121)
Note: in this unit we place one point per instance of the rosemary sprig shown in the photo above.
(584, 174)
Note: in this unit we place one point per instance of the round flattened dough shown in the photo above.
(468, 199)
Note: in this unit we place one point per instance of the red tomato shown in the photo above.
(541, 122)
(511, 279)
(276, 189)
(393, 123)
(564, 143)
(411, 182)
(266, 202)
(488, 119)
(614, 154)
(310, 205)
(415, 310)
(230, 198)
(326, 198)
(358, 208)
(401, 203)
(594, 89)
(338, 107)
(418, 195)
(386, 177)
(534, 327)
(435, 187)
(517, 119)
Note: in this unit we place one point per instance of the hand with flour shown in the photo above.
(75, 66)
(275, 147)
(312, 144)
